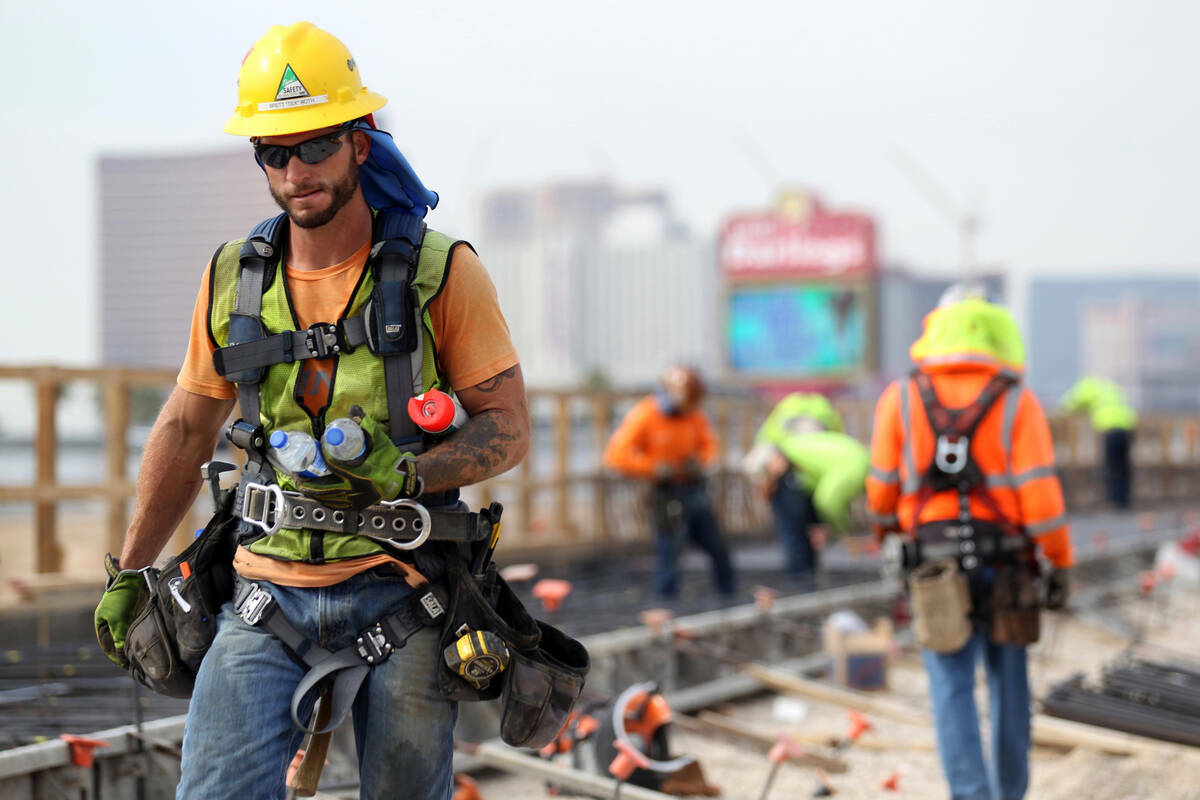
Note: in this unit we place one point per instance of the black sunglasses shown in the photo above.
(311, 151)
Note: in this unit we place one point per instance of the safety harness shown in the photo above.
(389, 326)
(349, 666)
(954, 469)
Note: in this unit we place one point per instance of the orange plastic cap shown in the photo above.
(81, 748)
(552, 592)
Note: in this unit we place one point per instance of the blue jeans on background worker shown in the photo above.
(680, 512)
(952, 689)
(239, 737)
(1118, 472)
(793, 511)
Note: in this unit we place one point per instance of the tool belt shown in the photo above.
(176, 624)
(971, 543)
(402, 524)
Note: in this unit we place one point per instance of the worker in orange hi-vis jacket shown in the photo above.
(666, 440)
(962, 467)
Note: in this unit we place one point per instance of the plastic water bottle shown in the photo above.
(297, 452)
(344, 441)
(437, 412)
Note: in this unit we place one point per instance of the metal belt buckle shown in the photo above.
(372, 645)
(252, 608)
(268, 491)
(422, 520)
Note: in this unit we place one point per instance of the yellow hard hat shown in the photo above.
(298, 78)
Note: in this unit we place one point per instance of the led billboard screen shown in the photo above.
(797, 330)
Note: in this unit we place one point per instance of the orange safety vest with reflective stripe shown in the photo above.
(1011, 446)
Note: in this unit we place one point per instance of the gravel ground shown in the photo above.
(1070, 644)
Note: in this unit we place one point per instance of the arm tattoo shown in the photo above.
(487, 445)
(493, 383)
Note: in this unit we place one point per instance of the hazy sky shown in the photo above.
(1075, 125)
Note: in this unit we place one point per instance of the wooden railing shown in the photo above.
(559, 497)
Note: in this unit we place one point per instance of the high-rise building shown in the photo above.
(1139, 332)
(161, 220)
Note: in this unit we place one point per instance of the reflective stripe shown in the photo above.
(1020, 479)
(912, 481)
(885, 476)
(1049, 525)
(1012, 401)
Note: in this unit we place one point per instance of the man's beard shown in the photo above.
(340, 193)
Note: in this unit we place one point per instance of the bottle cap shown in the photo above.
(334, 436)
(279, 439)
(433, 411)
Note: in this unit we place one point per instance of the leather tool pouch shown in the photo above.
(177, 622)
(547, 667)
(1015, 605)
(941, 605)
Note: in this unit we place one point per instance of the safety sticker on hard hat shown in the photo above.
(290, 86)
(299, 101)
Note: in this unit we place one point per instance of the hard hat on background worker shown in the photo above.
(683, 386)
(299, 78)
(970, 330)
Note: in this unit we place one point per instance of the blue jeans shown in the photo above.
(239, 737)
(793, 512)
(1118, 473)
(952, 689)
(681, 512)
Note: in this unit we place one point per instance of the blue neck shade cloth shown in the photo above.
(388, 181)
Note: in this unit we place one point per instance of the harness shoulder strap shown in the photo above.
(394, 323)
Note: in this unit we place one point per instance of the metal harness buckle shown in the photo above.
(422, 525)
(267, 511)
(373, 645)
(251, 609)
(321, 339)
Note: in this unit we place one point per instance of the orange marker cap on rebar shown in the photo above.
(552, 592)
(859, 724)
(1147, 580)
(784, 749)
(891, 783)
(81, 748)
(764, 598)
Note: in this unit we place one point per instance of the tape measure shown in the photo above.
(477, 657)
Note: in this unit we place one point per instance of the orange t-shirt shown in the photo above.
(473, 344)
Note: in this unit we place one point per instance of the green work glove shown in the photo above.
(384, 472)
(117, 608)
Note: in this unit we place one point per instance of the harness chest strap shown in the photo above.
(348, 666)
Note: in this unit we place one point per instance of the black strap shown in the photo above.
(959, 421)
(348, 666)
(322, 340)
(395, 258)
